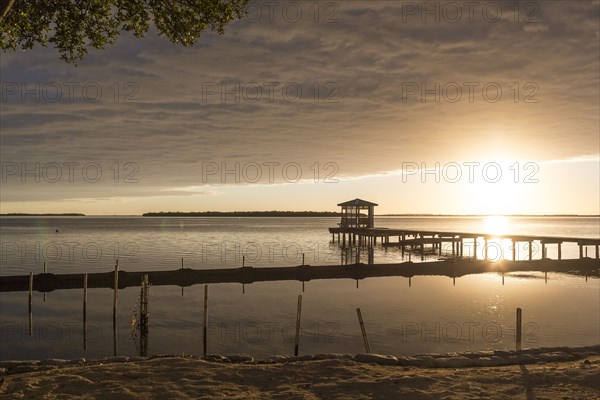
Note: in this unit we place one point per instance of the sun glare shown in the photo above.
(496, 225)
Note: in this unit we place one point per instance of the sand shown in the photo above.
(187, 377)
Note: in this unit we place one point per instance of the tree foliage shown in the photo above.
(73, 26)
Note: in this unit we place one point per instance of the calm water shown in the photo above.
(431, 315)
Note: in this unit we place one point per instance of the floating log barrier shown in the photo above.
(303, 273)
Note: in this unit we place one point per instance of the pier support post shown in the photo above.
(485, 249)
(514, 249)
(475, 248)
(597, 251)
(559, 251)
(530, 250)
(543, 250)
(580, 251)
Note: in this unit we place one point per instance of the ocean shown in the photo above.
(432, 314)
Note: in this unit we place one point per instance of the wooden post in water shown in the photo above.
(85, 284)
(303, 259)
(518, 329)
(559, 250)
(530, 250)
(475, 248)
(115, 306)
(182, 268)
(144, 316)
(205, 322)
(30, 301)
(298, 313)
(364, 332)
(45, 272)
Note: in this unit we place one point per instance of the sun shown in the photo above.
(496, 225)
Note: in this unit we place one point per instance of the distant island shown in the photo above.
(243, 214)
(42, 215)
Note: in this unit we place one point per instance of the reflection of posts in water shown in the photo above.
(115, 303)
(85, 283)
(298, 314)
(364, 331)
(144, 316)
(205, 322)
(30, 299)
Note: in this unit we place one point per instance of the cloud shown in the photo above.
(329, 92)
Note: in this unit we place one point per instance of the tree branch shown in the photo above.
(5, 6)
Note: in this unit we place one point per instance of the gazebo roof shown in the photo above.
(357, 202)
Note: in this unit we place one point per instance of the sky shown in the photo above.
(422, 107)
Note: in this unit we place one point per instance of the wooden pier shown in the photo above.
(455, 241)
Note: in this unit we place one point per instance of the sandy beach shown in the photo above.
(529, 376)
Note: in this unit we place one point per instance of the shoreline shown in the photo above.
(554, 373)
(467, 359)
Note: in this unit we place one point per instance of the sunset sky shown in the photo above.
(499, 104)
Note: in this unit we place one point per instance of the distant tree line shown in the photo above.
(243, 214)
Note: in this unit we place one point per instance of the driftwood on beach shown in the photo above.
(246, 275)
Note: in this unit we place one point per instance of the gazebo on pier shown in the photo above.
(352, 216)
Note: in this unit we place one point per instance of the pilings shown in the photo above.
(433, 242)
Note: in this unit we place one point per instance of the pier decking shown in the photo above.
(418, 239)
